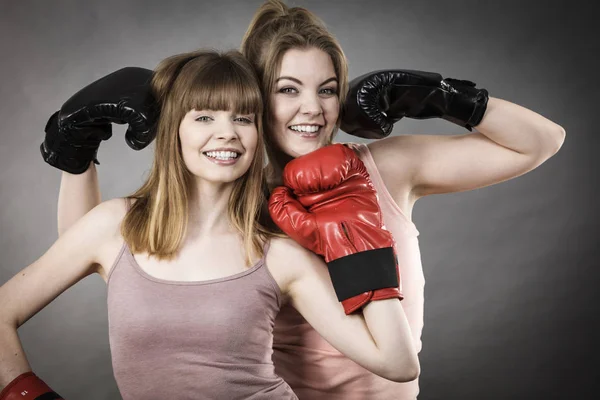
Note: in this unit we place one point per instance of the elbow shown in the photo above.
(550, 141)
(8, 319)
(558, 138)
(7, 322)
(555, 137)
(406, 373)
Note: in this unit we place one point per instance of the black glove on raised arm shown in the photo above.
(379, 99)
(74, 133)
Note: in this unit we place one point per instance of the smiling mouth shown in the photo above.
(222, 155)
(309, 131)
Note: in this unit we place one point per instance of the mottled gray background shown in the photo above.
(511, 270)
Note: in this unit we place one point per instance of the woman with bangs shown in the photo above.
(195, 278)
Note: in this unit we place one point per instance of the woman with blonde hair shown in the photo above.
(304, 76)
(195, 279)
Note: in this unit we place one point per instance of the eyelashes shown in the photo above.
(241, 119)
(329, 91)
(287, 90)
(245, 120)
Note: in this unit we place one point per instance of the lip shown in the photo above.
(232, 149)
(307, 135)
(307, 124)
(224, 162)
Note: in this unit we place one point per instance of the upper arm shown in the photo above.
(75, 255)
(433, 164)
(311, 292)
(78, 194)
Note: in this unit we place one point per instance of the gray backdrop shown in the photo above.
(510, 269)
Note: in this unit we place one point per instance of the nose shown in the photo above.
(311, 104)
(227, 131)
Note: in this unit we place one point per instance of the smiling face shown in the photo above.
(218, 146)
(304, 105)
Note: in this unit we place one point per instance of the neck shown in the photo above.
(208, 207)
(275, 169)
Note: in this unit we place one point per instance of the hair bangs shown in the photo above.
(224, 86)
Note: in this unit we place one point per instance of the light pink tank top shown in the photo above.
(193, 340)
(317, 371)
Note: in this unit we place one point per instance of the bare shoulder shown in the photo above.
(397, 163)
(288, 261)
(103, 227)
(104, 220)
(109, 212)
(394, 152)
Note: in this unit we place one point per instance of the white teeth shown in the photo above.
(222, 155)
(305, 128)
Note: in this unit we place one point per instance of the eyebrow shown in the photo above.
(299, 82)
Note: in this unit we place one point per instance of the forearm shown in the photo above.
(78, 194)
(520, 129)
(12, 357)
(391, 333)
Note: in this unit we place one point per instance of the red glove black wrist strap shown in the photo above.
(364, 271)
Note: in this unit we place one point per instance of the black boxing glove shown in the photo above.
(379, 99)
(74, 133)
(28, 386)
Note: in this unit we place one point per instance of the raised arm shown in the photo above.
(74, 134)
(510, 140)
(78, 253)
(78, 194)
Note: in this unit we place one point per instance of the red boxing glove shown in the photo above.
(28, 386)
(329, 206)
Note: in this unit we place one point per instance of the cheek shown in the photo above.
(332, 109)
(186, 134)
(191, 140)
(282, 112)
(185, 141)
(250, 140)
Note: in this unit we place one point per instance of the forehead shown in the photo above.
(308, 65)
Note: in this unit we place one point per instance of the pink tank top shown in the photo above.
(193, 340)
(317, 371)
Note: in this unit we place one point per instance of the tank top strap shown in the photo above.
(117, 259)
(124, 246)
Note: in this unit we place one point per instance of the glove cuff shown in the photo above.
(74, 160)
(72, 153)
(467, 105)
(28, 386)
(362, 272)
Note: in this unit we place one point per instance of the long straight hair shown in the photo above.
(157, 221)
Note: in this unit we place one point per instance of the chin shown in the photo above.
(300, 149)
(225, 178)
(217, 175)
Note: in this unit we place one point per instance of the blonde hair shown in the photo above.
(275, 29)
(157, 221)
